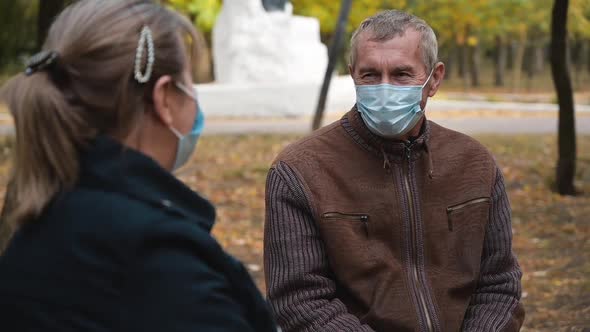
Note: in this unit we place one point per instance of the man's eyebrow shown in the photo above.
(366, 69)
(401, 68)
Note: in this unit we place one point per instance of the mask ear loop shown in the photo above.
(193, 96)
(428, 79)
(176, 132)
(188, 92)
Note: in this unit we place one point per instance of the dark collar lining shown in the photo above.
(355, 126)
(107, 165)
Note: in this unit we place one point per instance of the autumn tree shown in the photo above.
(467, 28)
(578, 27)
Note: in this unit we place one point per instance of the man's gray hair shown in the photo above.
(388, 24)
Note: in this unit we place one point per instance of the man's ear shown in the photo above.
(162, 99)
(437, 76)
(351, 71)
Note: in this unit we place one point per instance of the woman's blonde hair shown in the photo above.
(90, 90)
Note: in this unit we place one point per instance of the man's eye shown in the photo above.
(368, 75)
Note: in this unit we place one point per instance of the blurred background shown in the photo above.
(488, 45)
(498, 87)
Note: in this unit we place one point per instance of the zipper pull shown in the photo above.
(408, 151)
(364, 220)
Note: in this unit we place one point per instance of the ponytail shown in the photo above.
(49, 134)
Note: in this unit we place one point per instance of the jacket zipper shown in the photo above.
(456, 207)
(413, 256)
(363, 218)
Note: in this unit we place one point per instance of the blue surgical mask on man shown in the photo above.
(187, 143)
(390, 111)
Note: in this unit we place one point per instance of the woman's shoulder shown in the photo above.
(187, 271)
(116, 216)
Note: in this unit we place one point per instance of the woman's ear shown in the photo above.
(163, 99)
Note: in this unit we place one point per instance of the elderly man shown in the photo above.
(383, 220)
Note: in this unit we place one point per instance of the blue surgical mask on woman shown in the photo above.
(188, 142)
(388, 110)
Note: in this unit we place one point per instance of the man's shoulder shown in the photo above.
(446, 139)
(312, 144)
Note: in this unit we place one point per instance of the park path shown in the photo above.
(470, 125)
(542, 119)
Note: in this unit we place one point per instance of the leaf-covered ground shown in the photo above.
(551, 233)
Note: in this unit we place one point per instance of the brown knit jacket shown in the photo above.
(365, 234)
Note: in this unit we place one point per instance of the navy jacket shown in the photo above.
(128, 249)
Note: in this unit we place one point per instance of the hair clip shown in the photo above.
(145, 38)
(40, 61)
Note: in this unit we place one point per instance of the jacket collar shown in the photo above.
(395, 150)
(108, 165)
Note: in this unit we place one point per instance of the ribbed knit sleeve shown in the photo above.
(300, 287)
(495, 304)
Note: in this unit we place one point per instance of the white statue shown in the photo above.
(251, 45)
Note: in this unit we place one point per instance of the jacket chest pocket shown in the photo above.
(458, 212)
(466, 229)
(346, 237)
(355, 220)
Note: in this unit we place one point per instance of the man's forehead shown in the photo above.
(409, 35)
(407, 45)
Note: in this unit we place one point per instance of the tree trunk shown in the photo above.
(577, 48)
(500, 61)
(450, 60)
(48, 10)
(462, 57)
(584, 56)
(202, 66)
(203, 69)
(577, 57)
(518, 61)
(465, 59)
(528, 64)
(335, 47)
(539, 62)
(510, 55)
(566, 162)
(474, 64)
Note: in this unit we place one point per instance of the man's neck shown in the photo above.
(413, 134)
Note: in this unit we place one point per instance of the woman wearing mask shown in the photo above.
(106, 238)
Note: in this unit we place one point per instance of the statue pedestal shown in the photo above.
(274, 100)
(253, 46)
